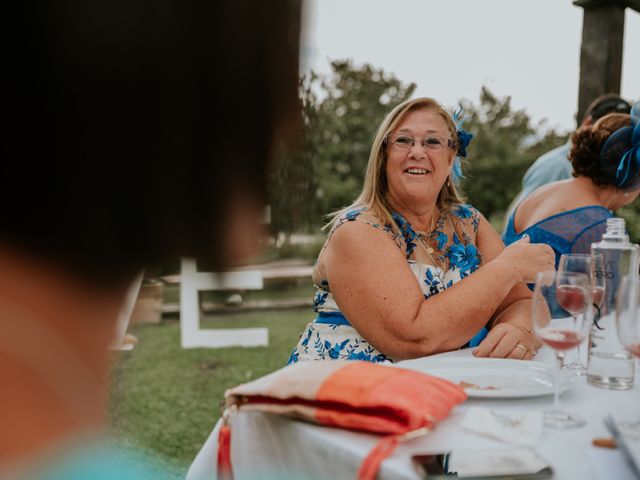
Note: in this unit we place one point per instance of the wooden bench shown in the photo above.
(191, 283)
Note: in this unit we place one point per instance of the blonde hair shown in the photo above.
(374, 191)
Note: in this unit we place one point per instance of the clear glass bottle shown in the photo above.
(610, 365)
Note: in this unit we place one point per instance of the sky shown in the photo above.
(526, 49)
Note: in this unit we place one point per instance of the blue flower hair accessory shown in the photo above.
(463, 140)
(620, 154)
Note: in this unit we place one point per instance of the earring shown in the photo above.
(448, 181)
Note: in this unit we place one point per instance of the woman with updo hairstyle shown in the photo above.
(571, 214)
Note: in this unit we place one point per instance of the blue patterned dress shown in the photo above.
(330, 336)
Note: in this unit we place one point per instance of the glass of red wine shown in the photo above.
(628, 323)
(587, 264)
(562, 312)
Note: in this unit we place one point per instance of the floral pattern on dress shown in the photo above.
(319, 299)
(456, 253)
(407, 232)
(463, 256)
(353, 214)
(463, 211)
(441, 239)
(334, 342)
(435, 280)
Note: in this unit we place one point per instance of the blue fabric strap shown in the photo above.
(337, 318)
(331, 318)
(478, 337)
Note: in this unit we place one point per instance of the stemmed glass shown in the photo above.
(589, 265)
(555, 294)
(628, 323)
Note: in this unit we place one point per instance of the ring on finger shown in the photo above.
(524, 349)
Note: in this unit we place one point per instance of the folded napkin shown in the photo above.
(497, 463)
(522, 429)
(398, 403)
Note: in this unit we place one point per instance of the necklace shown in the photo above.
(429, 235)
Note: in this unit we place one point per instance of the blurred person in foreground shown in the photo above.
(134, 132)
(571, 214)
(409, 269)
(555, 164)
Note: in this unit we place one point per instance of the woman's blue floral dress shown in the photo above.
(331, 336)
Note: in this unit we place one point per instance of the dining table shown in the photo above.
(271, 446)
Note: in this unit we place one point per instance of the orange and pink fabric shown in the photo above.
(354, 395)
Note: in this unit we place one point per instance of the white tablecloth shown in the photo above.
(268, 446)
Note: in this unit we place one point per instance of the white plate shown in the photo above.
(509, 378)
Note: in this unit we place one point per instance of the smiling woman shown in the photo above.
(409, 269)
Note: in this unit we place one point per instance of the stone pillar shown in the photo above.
(601, 51)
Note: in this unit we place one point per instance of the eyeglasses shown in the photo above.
(432, 143)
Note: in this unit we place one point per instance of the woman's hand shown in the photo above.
(527, 259)
(509, 340)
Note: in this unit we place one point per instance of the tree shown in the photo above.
(341, 112)
(631, 214)
(505, 144)
(354, 102)
(292, 186)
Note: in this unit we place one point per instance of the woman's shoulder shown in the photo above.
(465, 210)
(549, 201)
(466, 216)
(358, 221)
(364, 215)
(359, 226)
(559, 189)
(563, 195)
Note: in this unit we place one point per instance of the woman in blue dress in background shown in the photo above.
(409, 269)
(571, 214)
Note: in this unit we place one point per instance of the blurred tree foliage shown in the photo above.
(341, 112)
(631, 215)
(354, 102)
(292, 187)
(505, 144)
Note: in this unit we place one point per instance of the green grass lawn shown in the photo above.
(166, 400)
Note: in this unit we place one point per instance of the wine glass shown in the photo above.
(628, 324)
(589, 265)
(555, 294)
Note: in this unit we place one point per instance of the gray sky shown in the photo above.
(528, 49)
